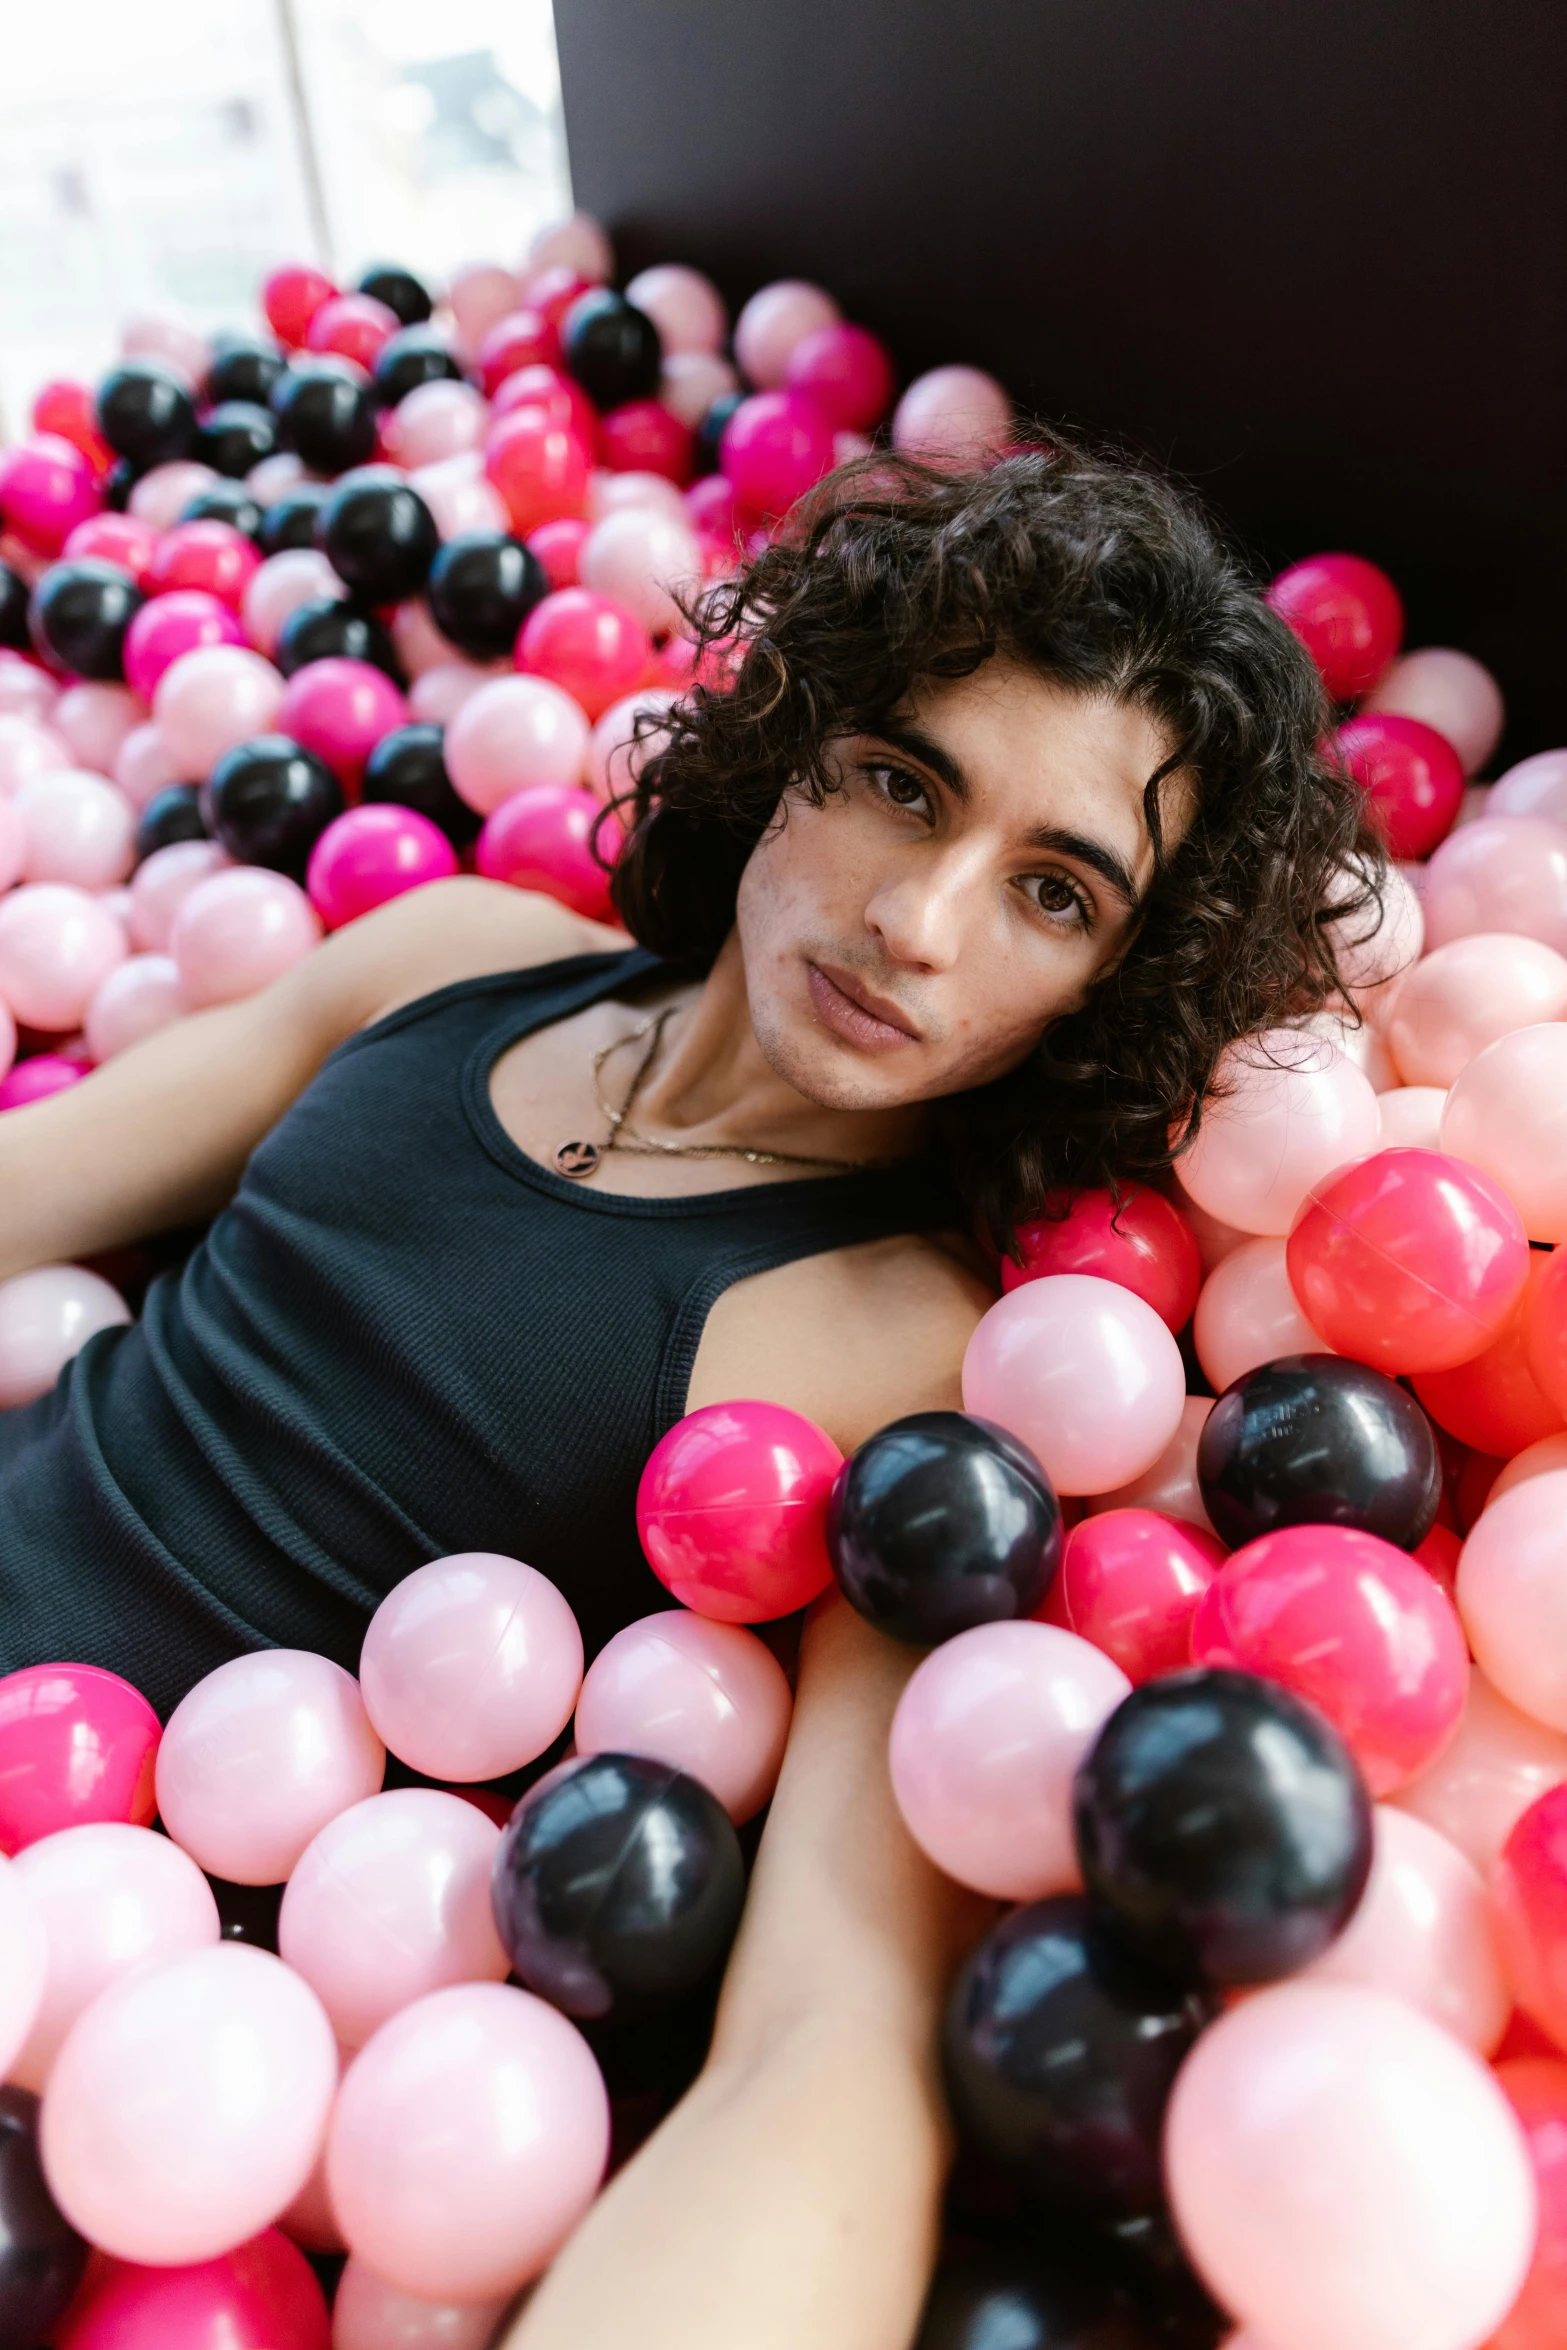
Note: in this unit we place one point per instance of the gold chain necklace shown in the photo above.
(580, 1159)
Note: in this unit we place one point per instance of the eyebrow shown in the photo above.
(1111, 867)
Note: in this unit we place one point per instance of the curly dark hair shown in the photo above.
(1105, 577)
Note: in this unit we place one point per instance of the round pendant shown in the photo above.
(577, 1159)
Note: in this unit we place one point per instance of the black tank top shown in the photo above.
(403, 1338)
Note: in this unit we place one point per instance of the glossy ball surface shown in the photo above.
(1412, 777)
(325, 413)
(1314, 1440)
(1130, 1582)
(402, 293)
(411, 357)
(1140, 1240)
(146, 413)
(41, 2255)
(611, 348)
(732, 1511)
(481, 589)
(173, 814)
(408, 766)
(271, 801)
(244, 367)
(1536, 2089)
(77, 1744)
(326, 629)
(227, 501)
(1348, 615)
(290, 521)
(235, 436)
(378, 535)
(371, 854)
(79, 614)
(1008, 2299)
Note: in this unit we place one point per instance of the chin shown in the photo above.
(827, 1072)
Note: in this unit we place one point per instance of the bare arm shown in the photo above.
(159, 1136)
(792, 2198)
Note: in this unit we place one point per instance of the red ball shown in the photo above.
(774, 449)
(521, 339)
(1410, 1261)
(596, 649)
(115, 538)
(544, 839)
(261, 2296)
(1536, 2088)
(1439, 1555)
(558, 546)
(209, 555)
(1529, 1890)
(371, 854)
(1412, 776)
(353, 326)
(1141, 1241)
(1130, 1582)
(642, 436)
(77, 1744)
(1352, 1625)
(70, 409)
(539, 466)
(1347, 614)
(291, 296)
(846, 372)
(563, 400)
(732, 1511)
(1493, 1401)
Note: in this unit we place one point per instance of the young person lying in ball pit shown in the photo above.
(1013, 816)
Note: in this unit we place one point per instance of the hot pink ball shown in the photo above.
(36, 1078)
(1466, 995)
(1139, 1240)
(1512, 1595)
(353, 325)
(1505, 873)
(1411, 775)
(340, 709)
(186, 2107)
(142, 766)
(211, 700)
(77, 1745)
(291, 296)
(95, 721)
(47, 487)
(1450, 691)
(1248, 1314)
(261, 2296)
(436, 420)
(1286, 1111)
(587, 644)
(258, 1757)
(956, 415)
(560, 396)
(371, 854)
(1354, 1626)
(544, 839)
(29, 749)
(76, 828)
(300, 575)
(643, 436)
(686, 307)
(708, 1699)
(471, 1666)
(1507, 1114)
(1130, 1583)
(775, 448)
(1084, 1372)
(732, 1511)
(161, 495)
(57, 946)
(985, 1744)
(24, 1961)
(523, 338)
(460, 494)
(207, 554)
(139, 997)
(162, 883)
(469, 2137)
(846, 373)
(558, 546)
(1170, 1486)
(1345, 2172)
(1348, 615)
(1535, 787)
(512, 734)
(237, 931)
(370, 2314)
(117, 538)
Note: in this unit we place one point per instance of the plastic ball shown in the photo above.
(1493, 1402)
(24, 1963)
(953, 415)
(544, 387)
(291, 296)
(1130, 1582)
(610, 347)
(79, 615)
(1504, 874)
(140, 997)
(75, 828)
(95, 721)
(773, 324)
(481, 589)
(353, 326)
(211, 556)
(511, 734)
(1084, 1373)
(732, 1511)
(643, 436)
(408, 767)
(295, 576)
(644, 562)
(459, 494)
(1507, 1115)
(1348, 615)
(14, 591)
(174, 814)
(270, 801)
(1139, 1240)
(846, 373)
(371, 854)
(1449, 691)
(1536, 2089)
(233, 502)
(146, 412)
(438, 420)
(1545, 1327)
(1248, 1314)
(548, 838)
(690, 384)
(539, 466)
(161, 886)
(28, 748)
(591, 647)
(1222, 1828)
(47, 488)
(26, 690)
(326, 413)
(434, 699)
(1549, 1452)
(397, 290)
(1019, 2299)
(625, 738)
(57, 945)
(77, 1745)
(406, 364)
(170, 626)
(69, 409)
(330, 629)
(1535, 787)
(1511, 1591)
(471, 1666)
(290, 519)
(686, 308)
(244, 367)
(618, 1887)
(41, 2255)
(1312, 1440)
(34, 1079)
(370, 2314)
(775, 448)
(1286, 1111)
(378, 534)
(1467, 994)
(209, 701)
(161, 496)
(1412, 778)
(339, 710)
(113, 538)
(235, 437)
(1498, 1762)
(482, 292)
(261, 2296)
(708, 1699)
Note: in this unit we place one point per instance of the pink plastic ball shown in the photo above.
(561, 398)
(523, 338)
(1505, 873)
(1466, 995)
(111, 1898)
(211, 700)
(207, 554)
(611, 493)
(24, 1960)
(544, 839)
(238, 930)
(340, 709)
(774, 322)
(1170, 1486)
(708, 1699)
(1130, 1583)
(27, 750)
(26, 691)
(75, 828)
(1084, 1372)
(1347, 614)
(261, 2296)
(438, 693)
(57, 946)
(1450, 691)
(1512, 1595)
(268, 481)
(161, 495)
(460, 494)
(481, 295)
(643, 436)
(436, 420)
(352, 325)
(1286, 1111)
(686, 307)
(471, 1666)
(1345, 2172)
(420, 644)
(17, 829)
(117, 538)
(94, 720)
(846, 373)
(616, 753)
(1248, 1314)
(692, 381)
(370, 2314)
(47, 487)
(775, 448)
(512, 734)
(590, 646)
(469, 2137)
(142, 766)
(1410, 774)
(1507, 1114)
(299, 575)
(161, 885)
(955, 415)
(258, 1757)
(1357, 1628)
(1498, 1762)
(150, 334)
(290, 298)
(36, 1078)
(646, 562)
(1138, 1239)
(1547, 1453)
(1535, 787)
(580, 243)
(139, 997)
(371, 854)
(732, 1511)
(1411, 1116)
(77, 1745)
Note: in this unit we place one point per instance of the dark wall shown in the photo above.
(1313, 253)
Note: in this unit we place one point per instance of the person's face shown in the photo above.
(978, 869)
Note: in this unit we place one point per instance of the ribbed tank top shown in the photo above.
(403, 1338)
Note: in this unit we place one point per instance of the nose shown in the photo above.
(921, 912)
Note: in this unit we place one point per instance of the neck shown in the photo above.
(711, 1083)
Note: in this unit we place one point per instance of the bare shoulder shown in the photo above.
(852, 1338)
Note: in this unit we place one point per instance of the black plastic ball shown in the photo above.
(399, 289)
(226, 501)
(175, 813)
(79, 613)
(328, 629)
(710, 432)
(408, 766)
(234, 436)
(290, 521)
(325, 413)
(146, 412)
(481, 589)
(378, 534)
(14, 599)
(940, 1522)
(1060, 2050)
(269, 801)
(1223, 1829)
(244, 367)
(41, 2255)
(617, 1887)
(415, 355)
(1011, 2299)
(1144, 2256)
(611, 347)
(1319, 1440)
(118, 484)
(248, 1913)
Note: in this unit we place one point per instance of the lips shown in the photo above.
(856, 1012)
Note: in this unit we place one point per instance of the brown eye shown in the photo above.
(1061, 898)
(899, 786)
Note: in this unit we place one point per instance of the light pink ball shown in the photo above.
(27, 750)
(47, 1316)
(436, 696)
(1507, 1113)
(1411, 1117)
(1423, 1933)
(76, 828)
(420, 644)
(1170, 1486)
(391, 1901)
(986, 1742)
(237, 931)
(578, 242)
(210, 700)
(1512, 1596)
(257, 1759)
(8, 1041)
(1535, 787)
(142, 2152)
(24, 1961)
(1374, 947)
(437, 420)
(148, 334)
(611, 493)
(299, 575)
(1466, 995)
(615, 753)
(161, 885)
(16, 831)
(1286, 1111)
(773, 321)
(1346, 2173)
(161, 493)
(95, 721)
(111, 1898)
(644, 560)
(57, 946)
(1450, 691)
(692, 381)
(26, 691)
(1247, 1314)
(459, 493)
(370, 2314)
(469, 2138)
(1495, 1765)
(1536, 1460)
(275, 476)
(1504, 873)
(471, 1666)
(1084, 1372)
(143, 767)
(479, 297)
(709, 1699)
(139, 997)
(956, 415)
(686, 307)
(513, 733)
